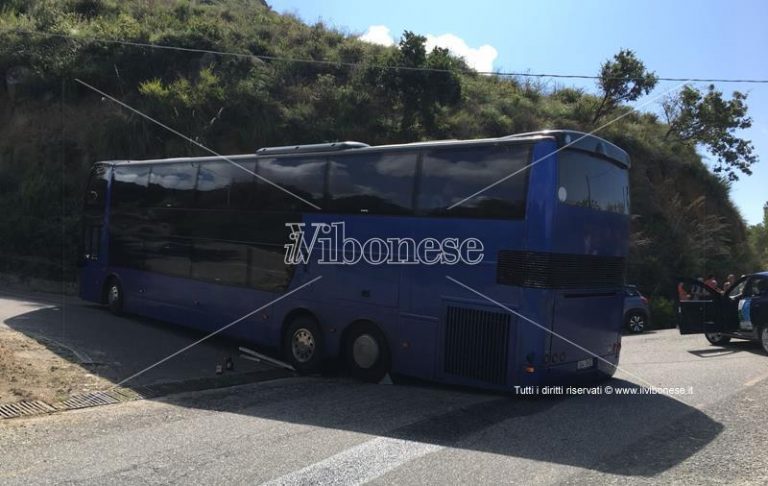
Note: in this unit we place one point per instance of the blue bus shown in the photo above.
(202, 241)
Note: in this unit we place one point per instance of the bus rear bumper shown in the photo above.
(598, 368)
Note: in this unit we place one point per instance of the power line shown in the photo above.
(264, 57)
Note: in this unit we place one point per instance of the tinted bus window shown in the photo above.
(220, 262)
(222, 185)
(373, 184)
(168, 256)
(450, 175)
(126, 251)
(129, 186)
(590, 181)
(172, 185)
(303, 177)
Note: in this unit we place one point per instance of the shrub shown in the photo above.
(663, 313)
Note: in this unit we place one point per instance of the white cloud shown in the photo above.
(478, 58)
(378, 34)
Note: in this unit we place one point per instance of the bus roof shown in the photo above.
(571, 138)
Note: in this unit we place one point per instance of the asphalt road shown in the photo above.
(337, 431)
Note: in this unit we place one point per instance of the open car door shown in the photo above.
(700, 308)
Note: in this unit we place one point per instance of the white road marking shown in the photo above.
(359, 464)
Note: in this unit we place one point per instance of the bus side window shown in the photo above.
(302, 177)
(223, 185)
(380, 183)
(450, 175)
(129, 187)
(172, 185)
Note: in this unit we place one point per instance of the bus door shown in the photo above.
(702, 309)
(92, 258)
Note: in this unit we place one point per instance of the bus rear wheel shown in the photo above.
(303, 344)
(114, 296)
(366, 352)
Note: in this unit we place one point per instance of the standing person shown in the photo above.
(681, 293)
(729, 281)
(712, 282)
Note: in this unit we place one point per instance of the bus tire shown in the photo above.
(717, 339)
(303, 344)
(113, 295)
(366, 352)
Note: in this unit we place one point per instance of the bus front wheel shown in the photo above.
(114, 296)
(366, 352)
(303, 344)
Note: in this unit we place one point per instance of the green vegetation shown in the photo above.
(711, 121)
(52, 129)
(663, 313)
(758, 239)
(623, 78)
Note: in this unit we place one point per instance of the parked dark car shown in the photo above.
(741, 312)
(636, 315)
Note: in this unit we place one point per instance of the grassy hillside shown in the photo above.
(52, 129)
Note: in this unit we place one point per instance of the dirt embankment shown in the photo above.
(34, 370)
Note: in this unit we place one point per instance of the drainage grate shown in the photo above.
(85, 400)
(94, 399)
(116, 395)
(30, 407)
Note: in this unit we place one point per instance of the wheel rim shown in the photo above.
(636, 323)
(303, 345)
(114, 294)
(714, 336)
(365, 351)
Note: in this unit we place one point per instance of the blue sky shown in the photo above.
(703, 39)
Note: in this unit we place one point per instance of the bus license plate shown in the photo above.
(585, 363)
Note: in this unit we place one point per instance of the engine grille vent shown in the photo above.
(476, 344)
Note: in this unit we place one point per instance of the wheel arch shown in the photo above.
(293, 314)
(636, 310)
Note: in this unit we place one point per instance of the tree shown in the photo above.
(758, 239)
(709, 120)
(421, 92)
(623, 78)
